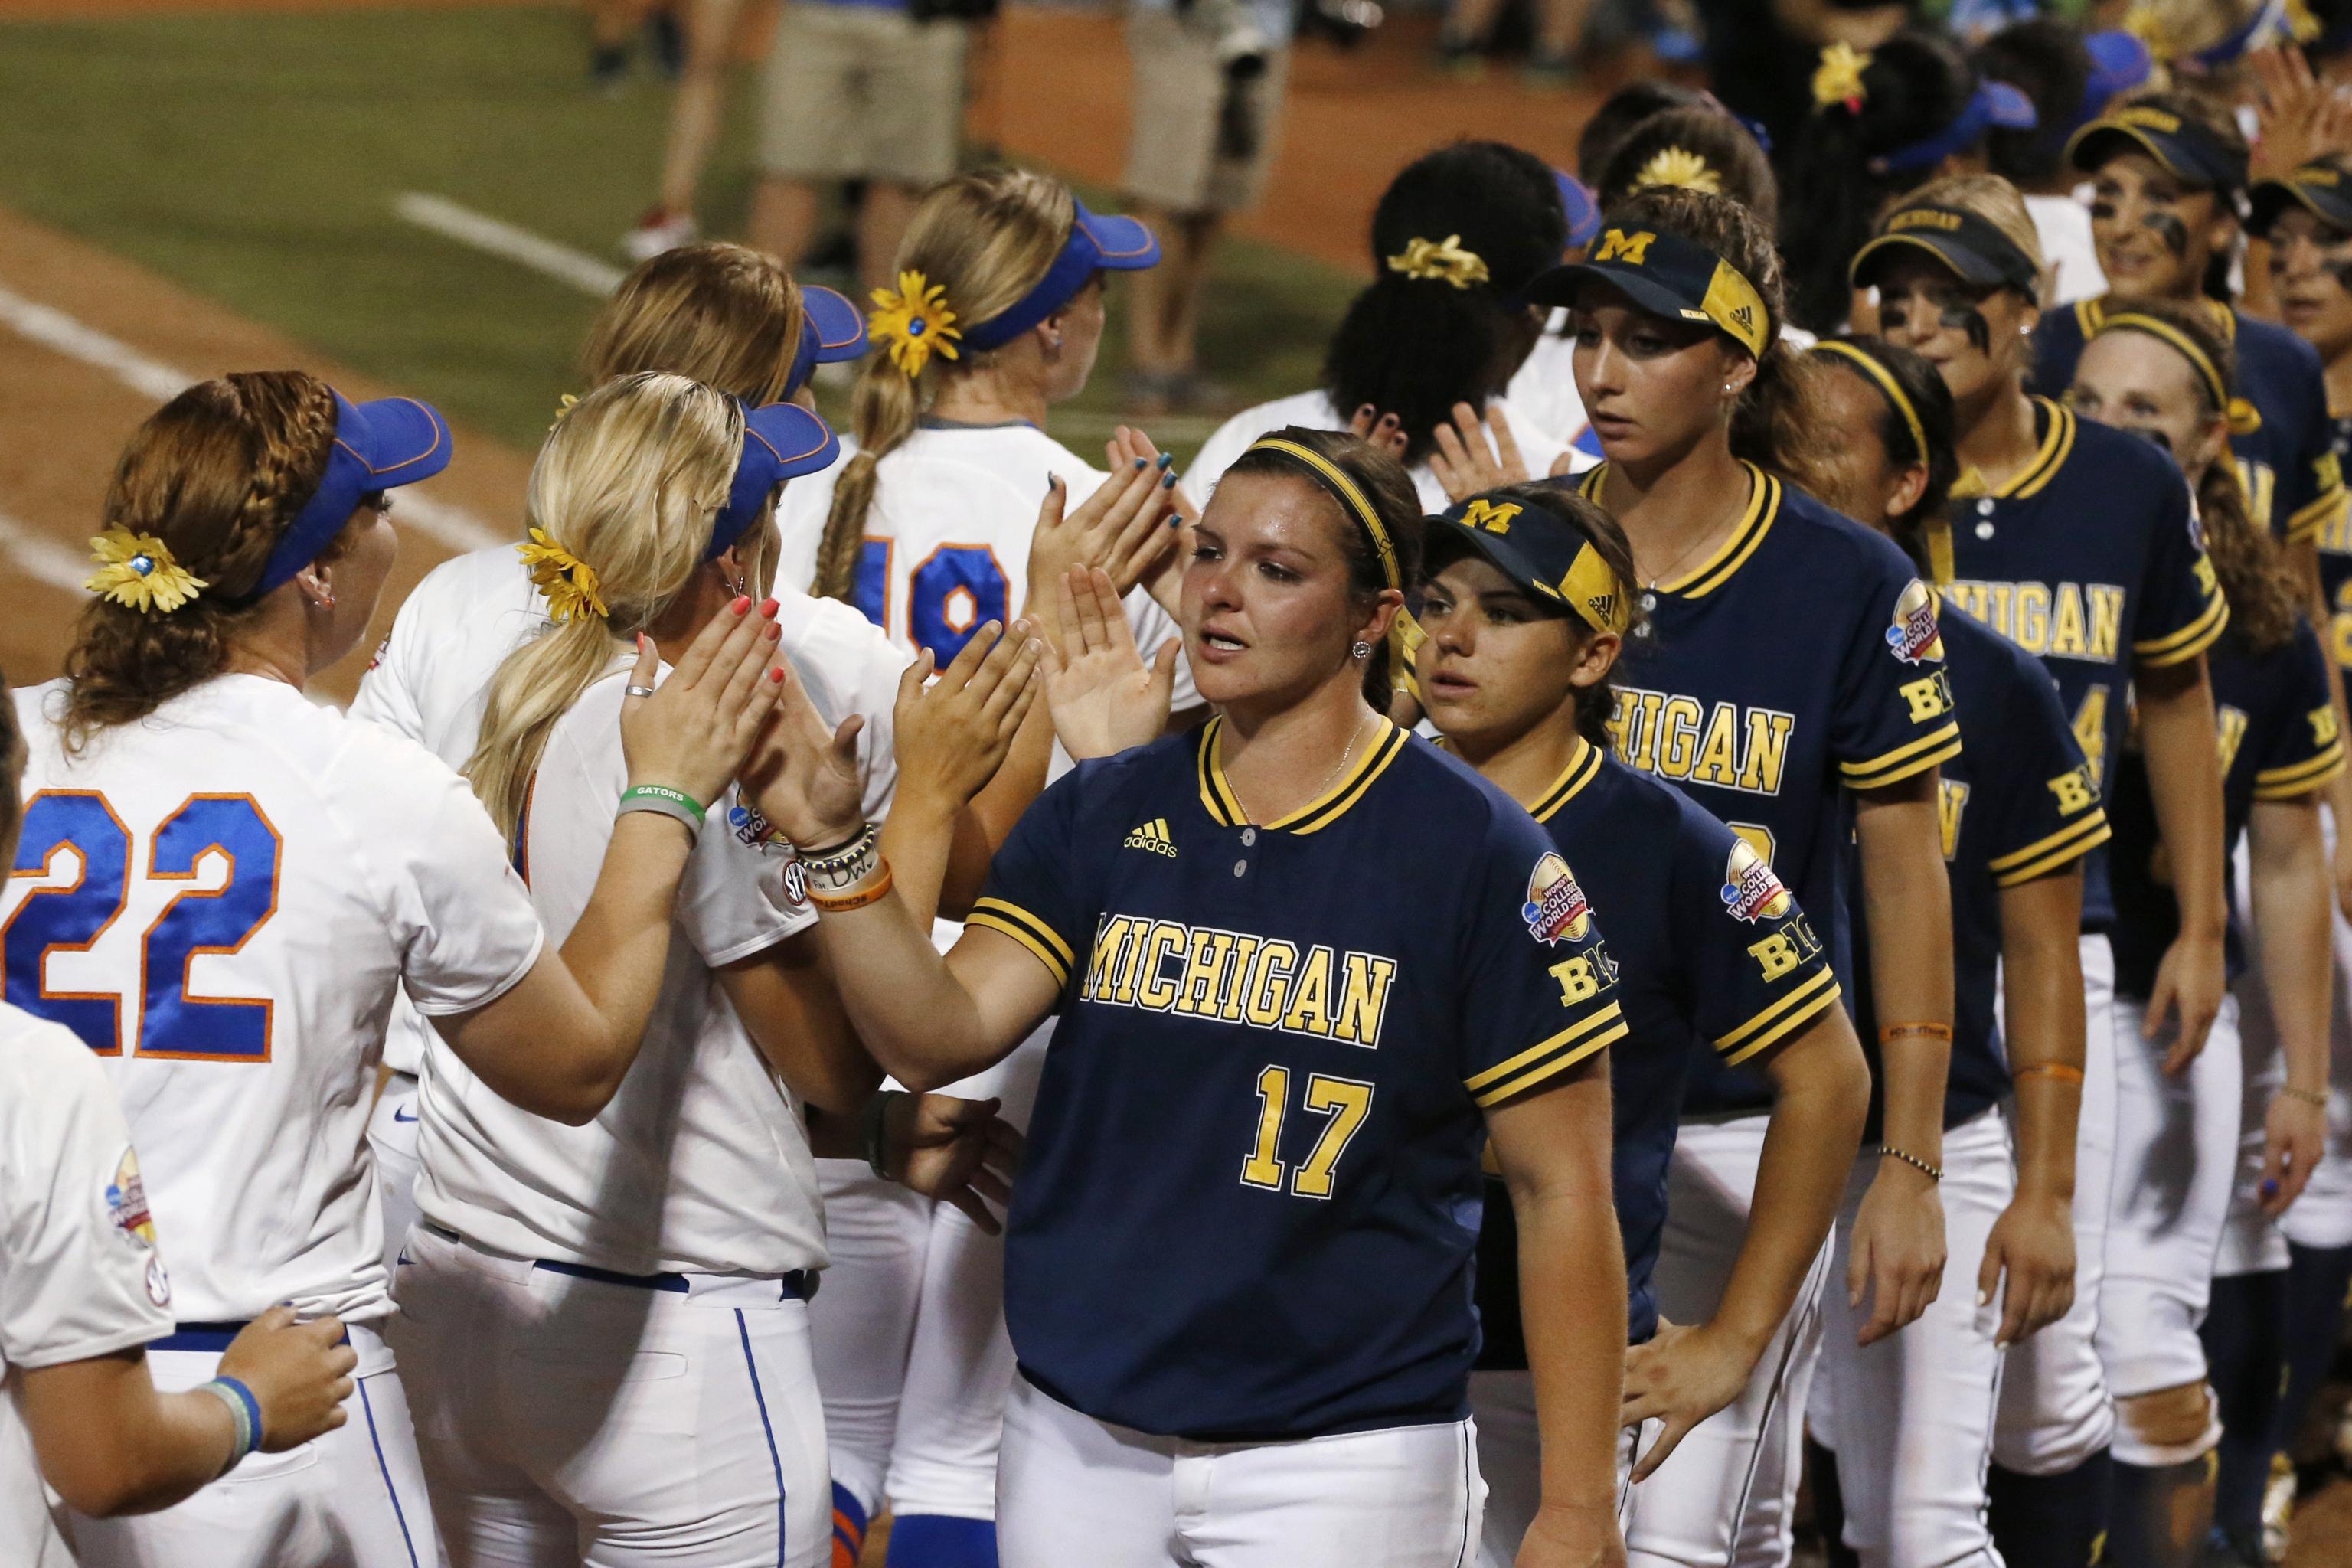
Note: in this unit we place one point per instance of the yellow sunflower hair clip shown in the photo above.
(137, 570)
(914, 322)
(1838, 79)
(569, 583)
(1440, 261)
(1679, 166)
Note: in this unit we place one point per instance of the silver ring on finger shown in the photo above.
(640, 691)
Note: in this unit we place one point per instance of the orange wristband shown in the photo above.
(1888, 1033)
(872, 893)
(2058, 1071)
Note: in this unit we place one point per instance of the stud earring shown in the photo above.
(1359, 649)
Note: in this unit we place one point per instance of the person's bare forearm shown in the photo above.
(905, 1001)
(2043, 1024)
(2184, 781)
(111, 1444)
(1907, 901)
(1572, 1308)
(2293, 909)
(1821, 1095)
(787, 1002)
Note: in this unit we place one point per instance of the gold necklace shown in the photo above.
(1320, 790)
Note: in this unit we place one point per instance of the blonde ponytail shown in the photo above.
(984, 238)
(628, 483)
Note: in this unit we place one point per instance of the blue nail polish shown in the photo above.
(1168, 483)
(1166, 459)
(2270, 1188)
(1139, 463)
(1052, 482)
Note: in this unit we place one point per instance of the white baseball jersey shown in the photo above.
(223, 899)
(79, 1276)
(1543, 389)
(701, 1163)
(431, 679)
(2063, 224)
(947, 539)
(1316, 411)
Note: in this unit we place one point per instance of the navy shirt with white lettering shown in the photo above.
(2087, 558)
(2276, 725)
(1252, 1196)
(2293, 475)
(1716, 961)
(2018, 805)
(1799, 663)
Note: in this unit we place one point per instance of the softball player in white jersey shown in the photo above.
(928, 531)
(221, 885)
(83, 1288)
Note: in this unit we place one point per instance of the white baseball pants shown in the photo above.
(352, 1498)
(392, 1136)
(1510, 1458)
(571, 1422)
(1073, 1490)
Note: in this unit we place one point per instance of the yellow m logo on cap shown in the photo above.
(1633, 250)
(1486, 514)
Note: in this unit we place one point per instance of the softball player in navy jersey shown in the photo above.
(2307, 220)
(2167, 173)
(253, 875)
(2236, 1148)
(2131, 602)
(1527, 595)
(1909, 1420)
(1701, 410)
(1256, 1149)
(725, 315)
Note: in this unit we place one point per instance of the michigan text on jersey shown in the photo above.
(1235, 977)
(1727, 745)
(2059, 620)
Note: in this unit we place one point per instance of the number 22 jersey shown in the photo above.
(1253, 1194)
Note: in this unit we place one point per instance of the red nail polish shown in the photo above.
(774, 632)
(777, 674)
(743, 603)
(768, 609)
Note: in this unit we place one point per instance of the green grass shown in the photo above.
(254, 159)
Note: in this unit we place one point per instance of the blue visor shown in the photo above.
(2266, 26)
(1584, 212)
(379, 446)
(781, 441)
(1118, 244)
(832, 330)
(1994, 104)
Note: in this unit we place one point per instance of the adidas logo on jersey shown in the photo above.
(1153, 836)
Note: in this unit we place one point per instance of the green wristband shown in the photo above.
(664, 793)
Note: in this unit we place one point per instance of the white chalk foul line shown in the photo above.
(501, 238)
(42, 558)
(53, 329)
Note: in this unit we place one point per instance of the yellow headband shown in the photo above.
(1343, 489)
(2243, 420)
(1887, 386)
(1442, 261)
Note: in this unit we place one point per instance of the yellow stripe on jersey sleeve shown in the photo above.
(2314, 516)
(1775, 1022)
(2055, 852)
(1538, 1062)
(2041, 847)
(2301, 778)
(1912, 757)
(2177, 647)
(1013, 921)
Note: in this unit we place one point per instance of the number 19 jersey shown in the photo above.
(220, 900)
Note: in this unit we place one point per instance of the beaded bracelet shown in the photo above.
(663, 801)
(838, 870)
(2059, 1070)
(244, 1416)
(2314, 1096)
(1887, 1033)
(1933, 1172)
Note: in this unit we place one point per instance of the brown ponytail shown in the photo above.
(218, 474)
(984, 238)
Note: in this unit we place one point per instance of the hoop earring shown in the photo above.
(1360, 650)
(738, 585)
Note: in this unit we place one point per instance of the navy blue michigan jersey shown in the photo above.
(2276, 724)
(2336, 558)
(1715, 960)
(2292, 476)
(2018, 805)
(1799, 663)
(1251, 1201)
(2087, 558)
